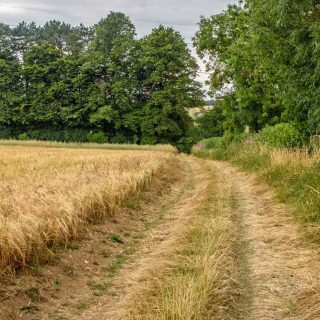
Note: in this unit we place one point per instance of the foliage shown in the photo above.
(59, 82)
(6, 134)
(52, 134)
(210, 122)
(294, 174)
(263, 60)
(120, 138)
(169, 86)
(214, 142)
(281, 135)
(23, 137)
(97, 137)
(108, 30)
(185, 144)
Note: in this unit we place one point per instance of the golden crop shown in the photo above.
(48, 195)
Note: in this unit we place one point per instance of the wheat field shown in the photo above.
(49, 195)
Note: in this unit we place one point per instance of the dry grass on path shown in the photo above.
(47, 195)
(284, 277)
(186, 268)
(203, 279)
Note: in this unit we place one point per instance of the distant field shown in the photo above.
(48, 195)
(114, 146)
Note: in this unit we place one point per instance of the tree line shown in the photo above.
(263, 57)
(100, 83)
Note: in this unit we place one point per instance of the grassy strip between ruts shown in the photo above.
(294, 174)
(202, 281)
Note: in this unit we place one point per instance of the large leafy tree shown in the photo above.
(49, 88)
(24, 36)
(210, 122)
(265, 54)
(237, 74)
(169, 88)
(6, 45)
(62, 79)
(109, 29)
(10, 91)
(116, 49)
(63, 36)
(10, 79)
(125, 87)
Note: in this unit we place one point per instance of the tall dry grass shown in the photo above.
(294, 174)
(202, 286)
(202, 278)
(48, 195)
(293, 158)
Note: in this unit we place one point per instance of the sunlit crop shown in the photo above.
(49, 195)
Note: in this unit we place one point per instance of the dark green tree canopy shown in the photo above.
(65, 82)
(109, 29)
(266, 54)
(169, 86)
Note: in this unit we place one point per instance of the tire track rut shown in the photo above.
(151, 258)
(281, 267)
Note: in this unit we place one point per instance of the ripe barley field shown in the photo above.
(49, 195)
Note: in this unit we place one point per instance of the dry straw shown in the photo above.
(48, 195)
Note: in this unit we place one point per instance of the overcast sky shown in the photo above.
(183, 15)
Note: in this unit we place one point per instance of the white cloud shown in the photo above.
(10, 9)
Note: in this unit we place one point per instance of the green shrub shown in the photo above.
(7, 134)
(135, 139)
(222, 142)
(97, 137)
(185, 144)
(120, 139)
(75, 135)
(67, 135)
(149, 140)
(210, 122)
(23, 137)
(281, 135)
(214, 142)
(236, 137)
